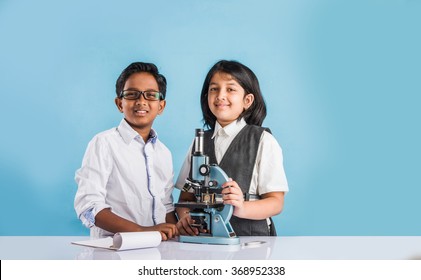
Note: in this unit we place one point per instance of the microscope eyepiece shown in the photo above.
(198, 142)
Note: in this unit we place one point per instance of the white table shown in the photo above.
(275, 248)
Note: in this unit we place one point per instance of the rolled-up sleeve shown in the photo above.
(92, 180)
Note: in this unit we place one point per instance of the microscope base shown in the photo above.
(210, 240)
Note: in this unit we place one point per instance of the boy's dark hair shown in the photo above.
(137, 67)
(256, 113)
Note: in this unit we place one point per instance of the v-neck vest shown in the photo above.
(238, 162)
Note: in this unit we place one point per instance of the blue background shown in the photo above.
(341, 80)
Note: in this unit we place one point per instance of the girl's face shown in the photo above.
(227, 99)
(140, 113)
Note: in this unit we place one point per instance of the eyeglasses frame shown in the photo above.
(142, 93)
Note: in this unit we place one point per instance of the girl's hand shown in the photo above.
(184, 227)
(232, 194)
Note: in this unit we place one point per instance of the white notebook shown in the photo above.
(125, 241)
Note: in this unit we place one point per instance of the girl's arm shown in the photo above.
(111, 222)
(269, 205)
(269, 158)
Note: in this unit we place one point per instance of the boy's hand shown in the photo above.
(184, 227)
(167, 230)
(232, 194)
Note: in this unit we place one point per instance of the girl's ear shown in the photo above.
(118, 104)
(248, 100)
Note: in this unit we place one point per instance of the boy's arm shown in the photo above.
(171, 218)
(183, 214)
(91, 179)
(111, 222)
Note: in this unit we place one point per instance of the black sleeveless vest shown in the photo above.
(238, 162)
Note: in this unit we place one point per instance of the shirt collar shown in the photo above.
(129, 134)
(153, 136)
(229, 130)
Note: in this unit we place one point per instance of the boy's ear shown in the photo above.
(248, 100)
(118, 104)
(161, 107)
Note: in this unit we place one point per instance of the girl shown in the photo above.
(233, 108)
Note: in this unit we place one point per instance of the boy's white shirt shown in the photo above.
(121, 172)
(268, 172)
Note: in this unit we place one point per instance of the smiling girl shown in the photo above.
(233, 108)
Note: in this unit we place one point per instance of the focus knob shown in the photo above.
(204, 170)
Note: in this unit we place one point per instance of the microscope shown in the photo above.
(211, 216)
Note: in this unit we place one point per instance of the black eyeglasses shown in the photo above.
(150, 95)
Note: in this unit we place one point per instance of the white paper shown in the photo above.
(125, 241)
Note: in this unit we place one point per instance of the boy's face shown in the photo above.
(140, 113)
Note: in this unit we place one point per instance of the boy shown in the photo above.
(126, 179)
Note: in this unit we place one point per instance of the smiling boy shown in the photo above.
(125, 183)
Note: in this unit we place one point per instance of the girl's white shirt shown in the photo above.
(268, 172)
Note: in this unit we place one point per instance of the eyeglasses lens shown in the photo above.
(134, 95)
